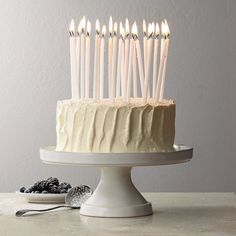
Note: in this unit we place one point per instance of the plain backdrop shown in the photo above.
(35, 73)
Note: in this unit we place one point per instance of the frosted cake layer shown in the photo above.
(88, 126)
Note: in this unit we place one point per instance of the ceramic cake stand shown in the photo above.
(116, 195)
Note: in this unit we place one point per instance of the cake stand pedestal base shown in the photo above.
(116, 196)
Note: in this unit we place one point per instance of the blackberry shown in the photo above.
(64, 185)
(53, 189)
(53, 180)
(22, 189)
(43, 185)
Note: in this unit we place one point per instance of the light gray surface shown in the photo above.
(178, 214)
(34, 74)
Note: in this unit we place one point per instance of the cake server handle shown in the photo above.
(23, 211)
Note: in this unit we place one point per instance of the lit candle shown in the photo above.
(148, 59)
(77, 52)
(87, 62)
(140, 62)
(166, 37)
(130, 65)
(113, 68)
(110, 56)
(155, 59)
(96, 63)
(126, 59)
(135, 82)
(118, 83)
(122, 59)
(72, 57)
(161, 64)
(145, 45)
(102, 62)
(82, 49)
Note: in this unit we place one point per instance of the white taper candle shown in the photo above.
(114, 61)
(161, 65)
(82, 50)
(110, 56)
(87, 61)
(96, 63)
(72, 57)
(130, 64)
(155, 60)
(77, 52)
(118, 76)
(147, 74)
(167, 34)
(101, 93)
(126, 59)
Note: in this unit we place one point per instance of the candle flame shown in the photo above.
(110, 25)
(88, 28)
(104, 31)
(167, 29)
(144, 28)
(115, 28)
(127, 27)
(72, 27)
(83, 24)
(97, 27)
(157, 30)
(150, 30)
(135, 30)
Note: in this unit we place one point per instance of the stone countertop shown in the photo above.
(173, 214)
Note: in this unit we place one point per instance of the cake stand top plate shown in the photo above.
(181, 154)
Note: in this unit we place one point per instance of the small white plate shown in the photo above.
(43, 198)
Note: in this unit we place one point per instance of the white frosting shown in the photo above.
(87, 126)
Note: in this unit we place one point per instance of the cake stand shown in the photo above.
(116, 195)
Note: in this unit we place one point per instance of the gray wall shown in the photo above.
(34, 74)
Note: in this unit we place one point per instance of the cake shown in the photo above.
(87, 126)
(129, 116)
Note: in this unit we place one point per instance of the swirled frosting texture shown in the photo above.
(86, 126)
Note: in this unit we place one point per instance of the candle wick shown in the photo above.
(71, 33)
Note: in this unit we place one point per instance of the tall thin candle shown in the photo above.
(135, 82)
(140, 62)
(96, 63)
(130, 64)
(118, 78)
(77, 52)
(87, 61)
(72, 57)
(126, 59)
(167, 34)
(101, 94)
(149, 49)
(82, 49)
(145, 45)
(110, 55)
(155, 60)
(114, 55)
(161, 65)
